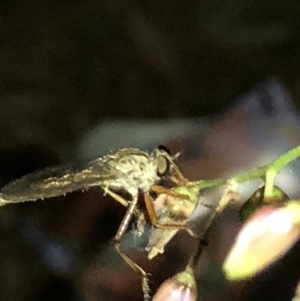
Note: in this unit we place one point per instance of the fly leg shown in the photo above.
(160, 190)
(152, 212)
(178, 178)
(131, 207)
(116, 197)
(139, 215)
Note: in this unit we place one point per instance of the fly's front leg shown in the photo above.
(131, 207)
(178, 178)
(152, 212)
(154, 219)
(160, 190)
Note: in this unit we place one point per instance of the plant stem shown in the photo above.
(275, 167)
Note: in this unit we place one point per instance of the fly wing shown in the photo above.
(52, 182)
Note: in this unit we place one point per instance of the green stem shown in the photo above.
(285, 159)
(275, 167)
(257, 173)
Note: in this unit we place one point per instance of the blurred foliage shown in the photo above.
(66, 64)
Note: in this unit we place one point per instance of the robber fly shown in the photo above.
(128, 170)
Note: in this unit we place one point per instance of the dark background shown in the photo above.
(66, 65)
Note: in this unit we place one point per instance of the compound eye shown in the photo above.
(163, 165)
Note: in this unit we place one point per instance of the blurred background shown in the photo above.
(216, 80)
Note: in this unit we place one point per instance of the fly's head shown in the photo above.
(165, 167)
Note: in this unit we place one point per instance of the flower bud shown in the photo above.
(181, 287)
(266, 236)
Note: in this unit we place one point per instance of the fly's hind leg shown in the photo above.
(131, 208)
(137, 269)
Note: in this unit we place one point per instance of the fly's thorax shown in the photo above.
(135, 170)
